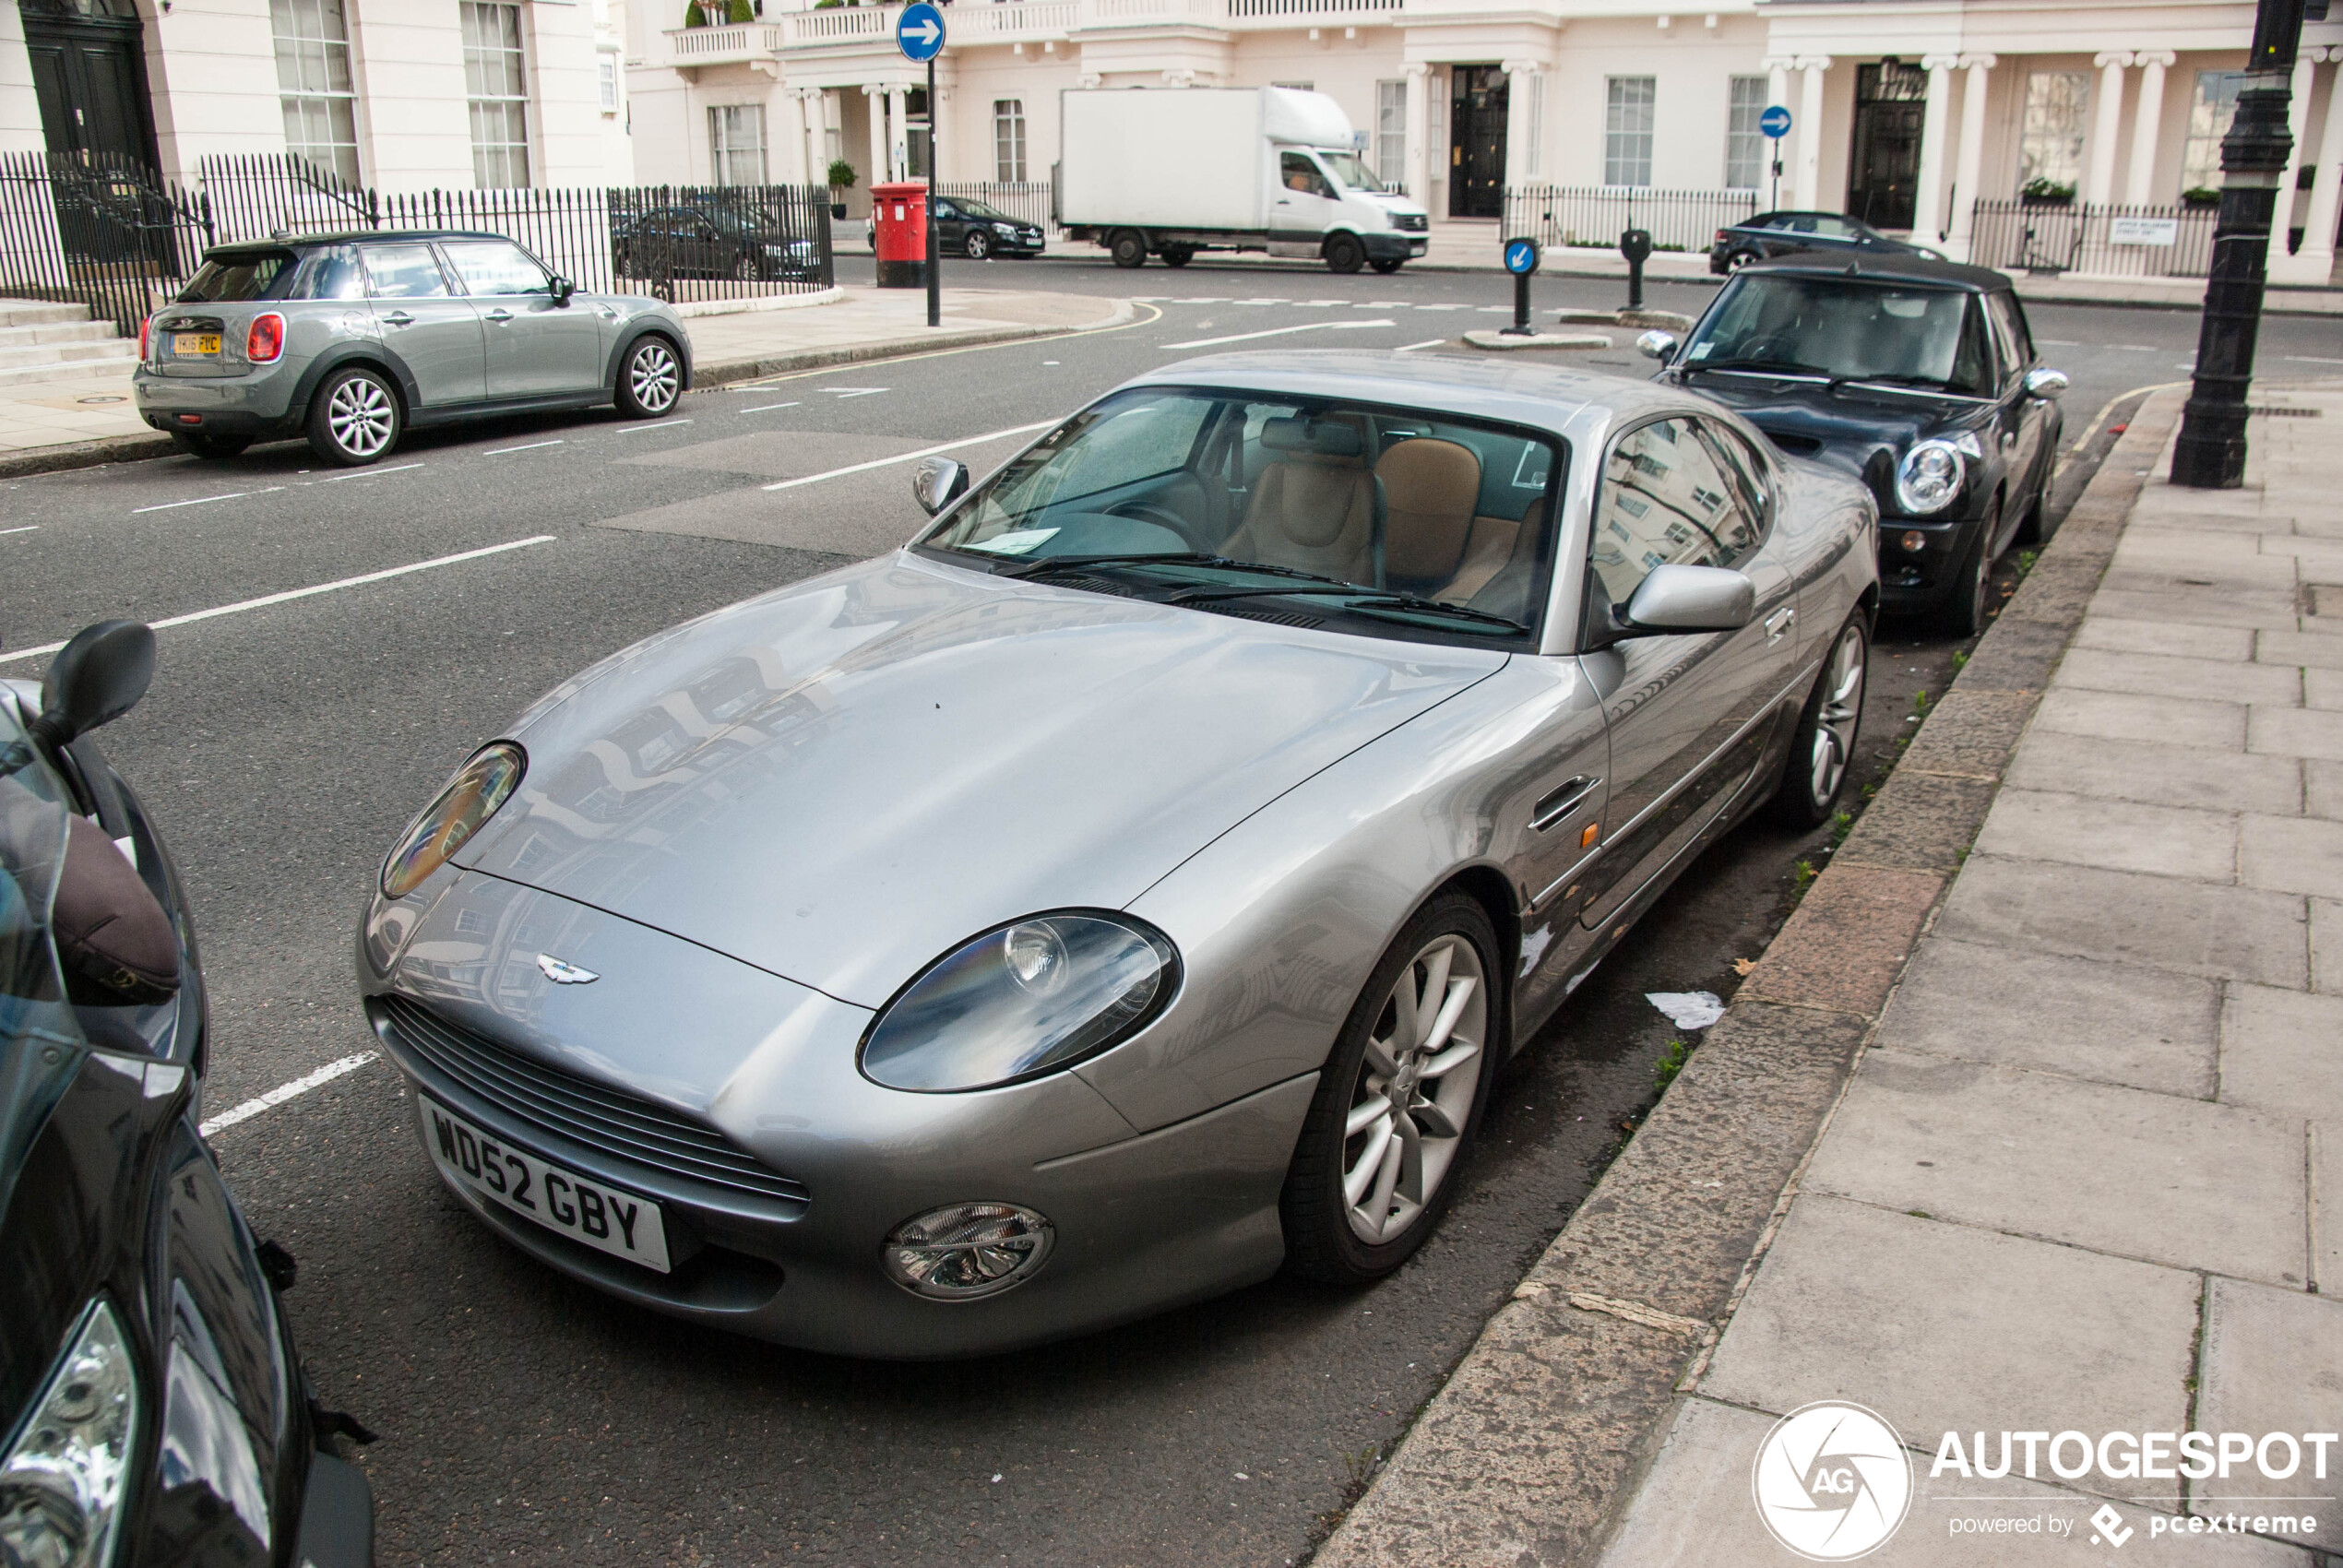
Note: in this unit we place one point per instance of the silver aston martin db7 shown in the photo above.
(1131, 888)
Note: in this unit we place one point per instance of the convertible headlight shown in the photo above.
(471, 797)
(63, 1483)
(1026, 998)
(1929, 478)
(963, 1251)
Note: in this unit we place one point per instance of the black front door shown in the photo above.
(89, 74)
(1883, 180)
(1477, 142)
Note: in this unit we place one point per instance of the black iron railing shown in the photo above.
(1028, 201)
(96, 229)
(1595, 215)
(2102, 238)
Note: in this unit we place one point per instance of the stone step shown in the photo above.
(39, 312)
(86, 357)
(101, 375)
(58, 332)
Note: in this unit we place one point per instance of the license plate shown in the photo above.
(194, 342)
(583, 1209)
(1415, 247)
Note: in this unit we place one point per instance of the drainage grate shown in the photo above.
(2286, 413)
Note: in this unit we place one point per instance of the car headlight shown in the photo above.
(1929, 477)
(1008, 229)
(963, 1251)
(471, 797)
(1028, 998)
(63, 1483)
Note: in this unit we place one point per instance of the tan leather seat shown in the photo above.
(1500, 564)
(1430, 489)
(1313, 508)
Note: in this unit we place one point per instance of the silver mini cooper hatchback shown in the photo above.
(353, 339)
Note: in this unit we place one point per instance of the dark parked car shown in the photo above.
(1771, 234)
(712, 241)
(152, 1411)
(1916, 375)
(976, 229)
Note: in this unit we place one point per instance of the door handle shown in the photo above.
(1558, 804)
(500, 314)
(1778, 622)
(398, 318)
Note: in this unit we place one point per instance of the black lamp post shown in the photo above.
(2211, 452)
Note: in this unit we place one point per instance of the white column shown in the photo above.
(2298, 117)
(1521, 155)
(2314, 263)
(1970, 167)
(2139, 180)
(2099, 186)
(877, 104)
(1809, 129)
(1777, 68)
(1928, 203)
(899, 159)
(1414, 174)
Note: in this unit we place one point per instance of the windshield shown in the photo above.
(1352, 170)
(1845, 327)
(230, 279)
(1385, 521)
(979, 209)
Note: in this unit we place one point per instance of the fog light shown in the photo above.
(963, 1251)
(1915, 541)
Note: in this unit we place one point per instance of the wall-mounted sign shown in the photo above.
(2143, 230)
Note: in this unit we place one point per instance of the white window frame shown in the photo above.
(315, 85)
(736, 144)
(497, 93)
(2210, 113)
(2050, 132)
(1391, 132)
(1008, 140)
(606, 80)
(1746, 97)
(1630, 120)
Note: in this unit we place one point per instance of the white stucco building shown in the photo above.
(1906, 111)
(402, 95)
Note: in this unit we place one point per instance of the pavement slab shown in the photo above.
(2162, 840)
(2157, 774)
(2282, 1053)
(2162, 675)
(2295, 732)
(2217, 724)
(2126, 917)
(2291, 854)
(2273, 1362)
(2323, 790)
(2326, 949)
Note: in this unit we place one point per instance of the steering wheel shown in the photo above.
(1762, 349)
(1162, 517)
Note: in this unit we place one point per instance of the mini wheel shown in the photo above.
(650, 379)
(354, 419)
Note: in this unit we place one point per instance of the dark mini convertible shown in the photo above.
(1918, 377)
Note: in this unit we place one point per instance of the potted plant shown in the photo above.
(2043, 190)
(695, 15)
(2201, 195)
(841, 180)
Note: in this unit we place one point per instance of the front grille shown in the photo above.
(601, 1119)
(1411, 223)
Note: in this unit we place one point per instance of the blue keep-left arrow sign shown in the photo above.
(1775, 122)
(919, 31)
(1521, 255)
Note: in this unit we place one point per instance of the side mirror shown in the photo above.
(1691, 598)
(95, 679)
(1658, 345)
(937, 482)
(562, 290)
(2046, 384)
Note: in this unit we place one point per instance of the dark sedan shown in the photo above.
(1772, 234)
(712, 242)
(1920, 377)
(976, 229)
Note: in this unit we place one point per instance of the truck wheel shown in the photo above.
(1178, 255)
(1345, 254)
(1387, 266)
(1129, 248)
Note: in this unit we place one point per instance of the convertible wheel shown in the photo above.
(979, 245)
(354, 419)
(1398, 1100)
(650, 380)
(1815, 770)
(1964, 612)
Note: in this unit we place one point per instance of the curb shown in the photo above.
(85, 454)
(1531, 1452)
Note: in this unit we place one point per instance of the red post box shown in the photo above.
(899, 214)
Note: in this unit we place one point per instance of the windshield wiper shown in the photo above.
(1362, 599)
(1764, 367)
(1048, 564)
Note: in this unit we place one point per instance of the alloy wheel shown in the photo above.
(1836, 720)
(653, 376)
(978, 245)
(1415, 1089)
(361, 416)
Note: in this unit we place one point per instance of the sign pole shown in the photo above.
(935, 168)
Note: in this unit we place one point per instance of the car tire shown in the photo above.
(1964, 611)
(355, 418)
(650, 379)
(1387, 265)
(2029, 529)
(1177, 256)
(979, 245)
(210, 446)
(1822, 747)
(1345, 254)
(1129, 248)
(1347, 1217)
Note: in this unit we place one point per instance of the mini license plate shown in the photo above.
(583, 1209)
(194, 342)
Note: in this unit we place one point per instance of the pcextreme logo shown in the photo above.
(1832, 1481)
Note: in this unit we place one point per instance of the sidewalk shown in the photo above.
(2070, 1156)
(73, 424)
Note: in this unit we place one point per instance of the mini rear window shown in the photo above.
(249, 275)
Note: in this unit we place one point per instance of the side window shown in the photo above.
(2009, 329)
(404, 272)
(1749, 471)
(1300, 174)
(1665, 499)
(496, 266)
(1973, 362)
(334, 274)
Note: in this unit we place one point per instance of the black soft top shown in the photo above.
(1887, 267)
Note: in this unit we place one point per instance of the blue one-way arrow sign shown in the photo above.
(1775, 122)
(919, 31)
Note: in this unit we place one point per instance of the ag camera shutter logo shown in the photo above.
(1832, 1481)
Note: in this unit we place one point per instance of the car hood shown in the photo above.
(1850, 429)
(842, 780)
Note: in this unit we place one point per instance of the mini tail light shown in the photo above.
(143, 324)
(266, 341)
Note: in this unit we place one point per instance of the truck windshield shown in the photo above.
(1350, 169)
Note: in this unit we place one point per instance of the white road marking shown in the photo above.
(1451, 306)
(529, 446)
(2056, 343)
(370, 473)
(2311, 358)
(904, 457)
(284, 1092)
(206, 500)
(1427, 343)
(846, 392)
(290, 594)
(30, 528)
(1279, 332)
(766, 408)
(663, 424)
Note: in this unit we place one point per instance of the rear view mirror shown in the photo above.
(2045, 384)
(937, 482)
(95, 679)
(1691, 598)
(1658, 345)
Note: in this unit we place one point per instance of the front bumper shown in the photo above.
(337, 1516)
(1922, 578)
(1394, 247)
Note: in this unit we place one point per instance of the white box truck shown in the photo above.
(1169, 172)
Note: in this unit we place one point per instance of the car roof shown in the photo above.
(1887, 267)
(344, 237)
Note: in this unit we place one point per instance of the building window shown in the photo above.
(736, 143)
(313, 80)
(1008, 140)
(1745, 142)
(1626, 150)
(2049, 142)
(606, 80)
(497, 88)
(1391, 133)
(2208, 122)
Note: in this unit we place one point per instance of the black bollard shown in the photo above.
(1635, 245)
